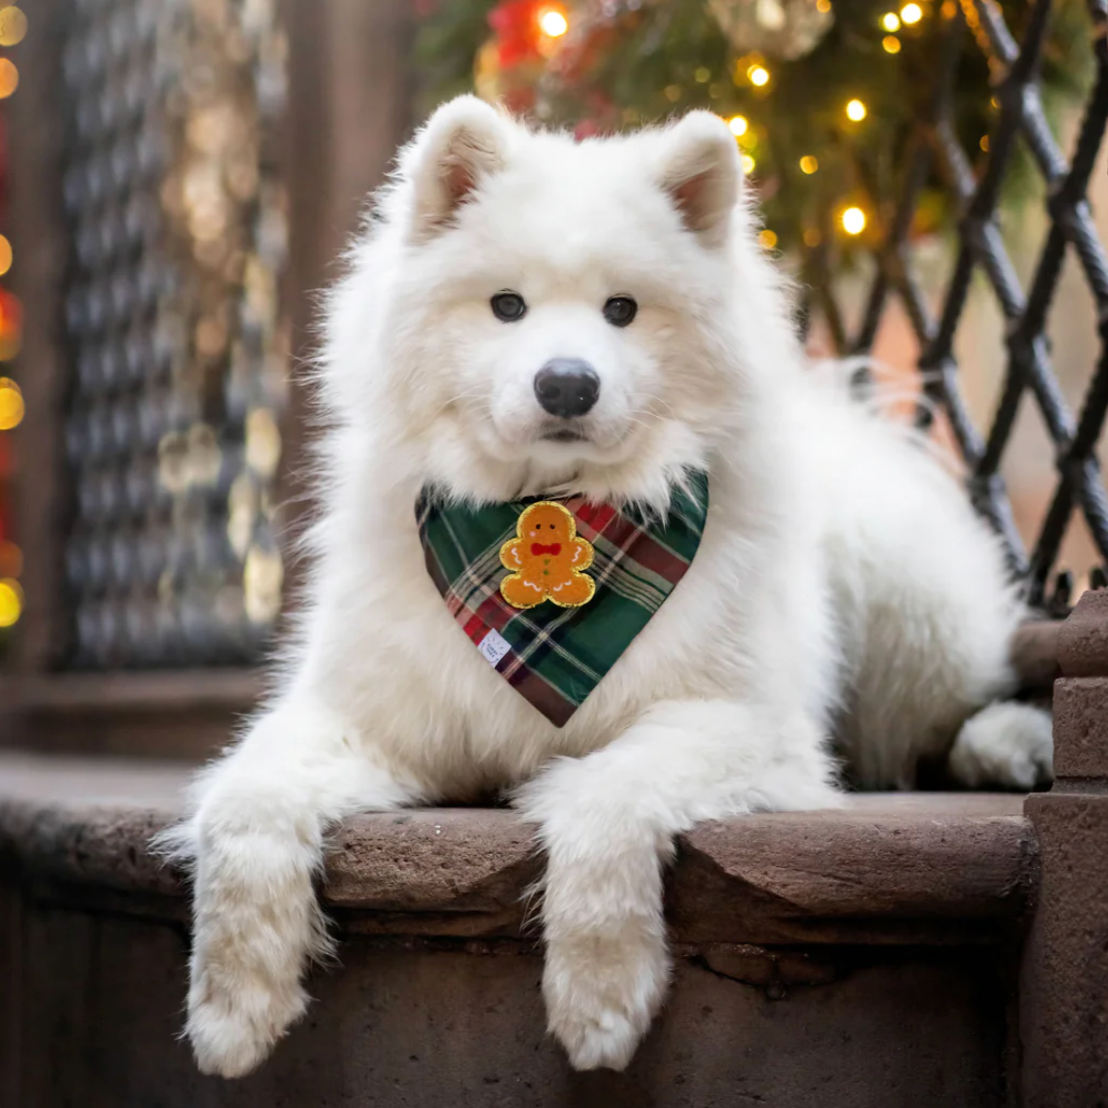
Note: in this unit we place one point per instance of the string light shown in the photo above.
(768, 239)
(890, 21)
(853, 221)
(5, 255)
(748, 164)
(11, 602)
(13, 26)
(9, 78)
(738, 125)
(553, 22)
(856, 111)
(891, 44)
(809, 164)
(758, 75)
(11, 404)
(911, 13)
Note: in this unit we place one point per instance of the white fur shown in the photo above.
(1006, 744)
(841, 577)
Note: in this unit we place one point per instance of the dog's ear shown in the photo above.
(701, 174)
(461, 145)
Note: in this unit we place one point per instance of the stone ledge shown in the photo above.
(913, 868)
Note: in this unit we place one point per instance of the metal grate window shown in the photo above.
(177, 219)
(934, 150)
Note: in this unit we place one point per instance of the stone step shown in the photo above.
(853, 958)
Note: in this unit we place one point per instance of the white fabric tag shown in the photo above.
(493, 646)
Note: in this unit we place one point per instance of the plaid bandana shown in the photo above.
(555, 656)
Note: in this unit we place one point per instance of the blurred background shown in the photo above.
(178, 176)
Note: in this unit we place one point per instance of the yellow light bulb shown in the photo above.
(856, 111)
(890, 21)
(758, 75)
(553, 23)
(5, 255)
(9, 78)
(809, 164)
(748, 164)
(11, 602)
(891, 44)
(738, 125)
(853, 221)
(13, 26)
(911, 13)
(11, 404)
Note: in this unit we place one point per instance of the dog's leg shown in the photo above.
(257, 840)
(607, 822)
(1007, 745)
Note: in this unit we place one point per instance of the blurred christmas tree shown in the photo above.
(13, 27)
(820, 94)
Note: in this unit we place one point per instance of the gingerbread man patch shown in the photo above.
(547, 559)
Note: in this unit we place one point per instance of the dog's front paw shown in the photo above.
(233, 1028)
(601, 994)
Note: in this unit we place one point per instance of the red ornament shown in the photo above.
(516, 25)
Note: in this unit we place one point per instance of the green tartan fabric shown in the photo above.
(553, 656)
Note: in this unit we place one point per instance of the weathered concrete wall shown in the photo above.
(454, 1024)
(854, 959)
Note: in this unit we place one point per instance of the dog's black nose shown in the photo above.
(567, 387)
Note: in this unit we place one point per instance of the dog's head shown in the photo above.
(553, 312)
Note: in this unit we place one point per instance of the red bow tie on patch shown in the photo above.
(554, 549)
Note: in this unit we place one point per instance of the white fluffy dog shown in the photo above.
(842, 582)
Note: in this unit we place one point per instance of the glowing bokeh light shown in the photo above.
(5, 255)
(853, 221)
(809, 164)
(748, 164)
(13, 25)
(11, 404)
(856, 111)
(553, 22)
(758, 75)
(738, 125)
(890, 21)
(911, 13)
(9, 78)
(11, 602)
(891, 44)
(768, 239)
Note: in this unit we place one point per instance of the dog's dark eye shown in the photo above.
(620, 310)
(508, 306)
